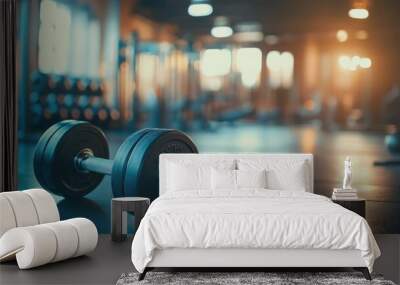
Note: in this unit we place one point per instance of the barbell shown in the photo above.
(72, 157)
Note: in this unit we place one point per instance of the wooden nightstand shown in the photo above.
(356, 205)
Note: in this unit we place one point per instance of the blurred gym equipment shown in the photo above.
(391, 116)
(236, 114)
(392, 141)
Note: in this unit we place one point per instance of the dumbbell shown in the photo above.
(114, 114)
(51, 99)
(102, 116)
(63, 113)
(50, 113)
(34, 98)
(39, 81)
(54, 83)
(60, 99)
(68, 84)
(88, 113)
(69, 100)
(71, 158)
(93, 87)
(36, 112)
(81, 85)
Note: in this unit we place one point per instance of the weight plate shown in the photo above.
(46, 150)
(61, 176)
(121, 160)
(40, 149)
(141, 178)
(48, 154)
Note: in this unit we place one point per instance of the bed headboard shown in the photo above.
(171, 157)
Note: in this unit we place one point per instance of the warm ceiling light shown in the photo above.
(349, 63)
(352, 63)
(361, 35)
(255, 36)
(359, 9)
(249, 32)
(342, 36)
(221, 28)
(365, 62)
(345, 62)
(248, 27)
(221, 32)
(271, 39)
(200, 8)
(355, 60)
(358, 13)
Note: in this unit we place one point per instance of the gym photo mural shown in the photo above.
(137, 126)
(106, 86)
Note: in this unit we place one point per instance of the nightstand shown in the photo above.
(355, 205)
(119, 209)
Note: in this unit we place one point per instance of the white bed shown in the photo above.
(249, 227)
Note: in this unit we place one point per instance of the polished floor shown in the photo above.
(106, 264)
(102, 266)
(379, 185)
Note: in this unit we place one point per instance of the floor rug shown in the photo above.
(273, 278)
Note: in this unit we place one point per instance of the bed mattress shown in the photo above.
(250, 219)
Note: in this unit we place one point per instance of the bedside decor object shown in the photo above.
(355, 205)
(120, 207)
(346, 192)
(347, 174)
(31, 231)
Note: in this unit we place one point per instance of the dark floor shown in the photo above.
(106, 264)
(103, 266)
(379, 185)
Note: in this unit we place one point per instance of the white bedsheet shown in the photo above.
(250, 219)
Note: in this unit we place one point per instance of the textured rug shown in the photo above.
(273, 278)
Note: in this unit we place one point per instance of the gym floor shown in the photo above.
(379, 185)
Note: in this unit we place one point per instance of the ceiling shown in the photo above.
(279, 17)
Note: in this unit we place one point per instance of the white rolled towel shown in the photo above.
(45, 206)
(26, 208)
(40, 244)
(7, 218)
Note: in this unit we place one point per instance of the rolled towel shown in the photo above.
(7, 218)
(23, 208)
(26, 208)
(87, 235)
(67, 240)
(40, 244)
(32, 246)
(45, 205)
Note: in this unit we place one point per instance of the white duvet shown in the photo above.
(250, 219)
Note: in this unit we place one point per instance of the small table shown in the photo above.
(355, 205)
(119, 209)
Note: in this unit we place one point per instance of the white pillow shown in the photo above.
(226, 179)
(181, 178)
(282, 174)
(184, 175)
(251, 178)
(223, 179)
